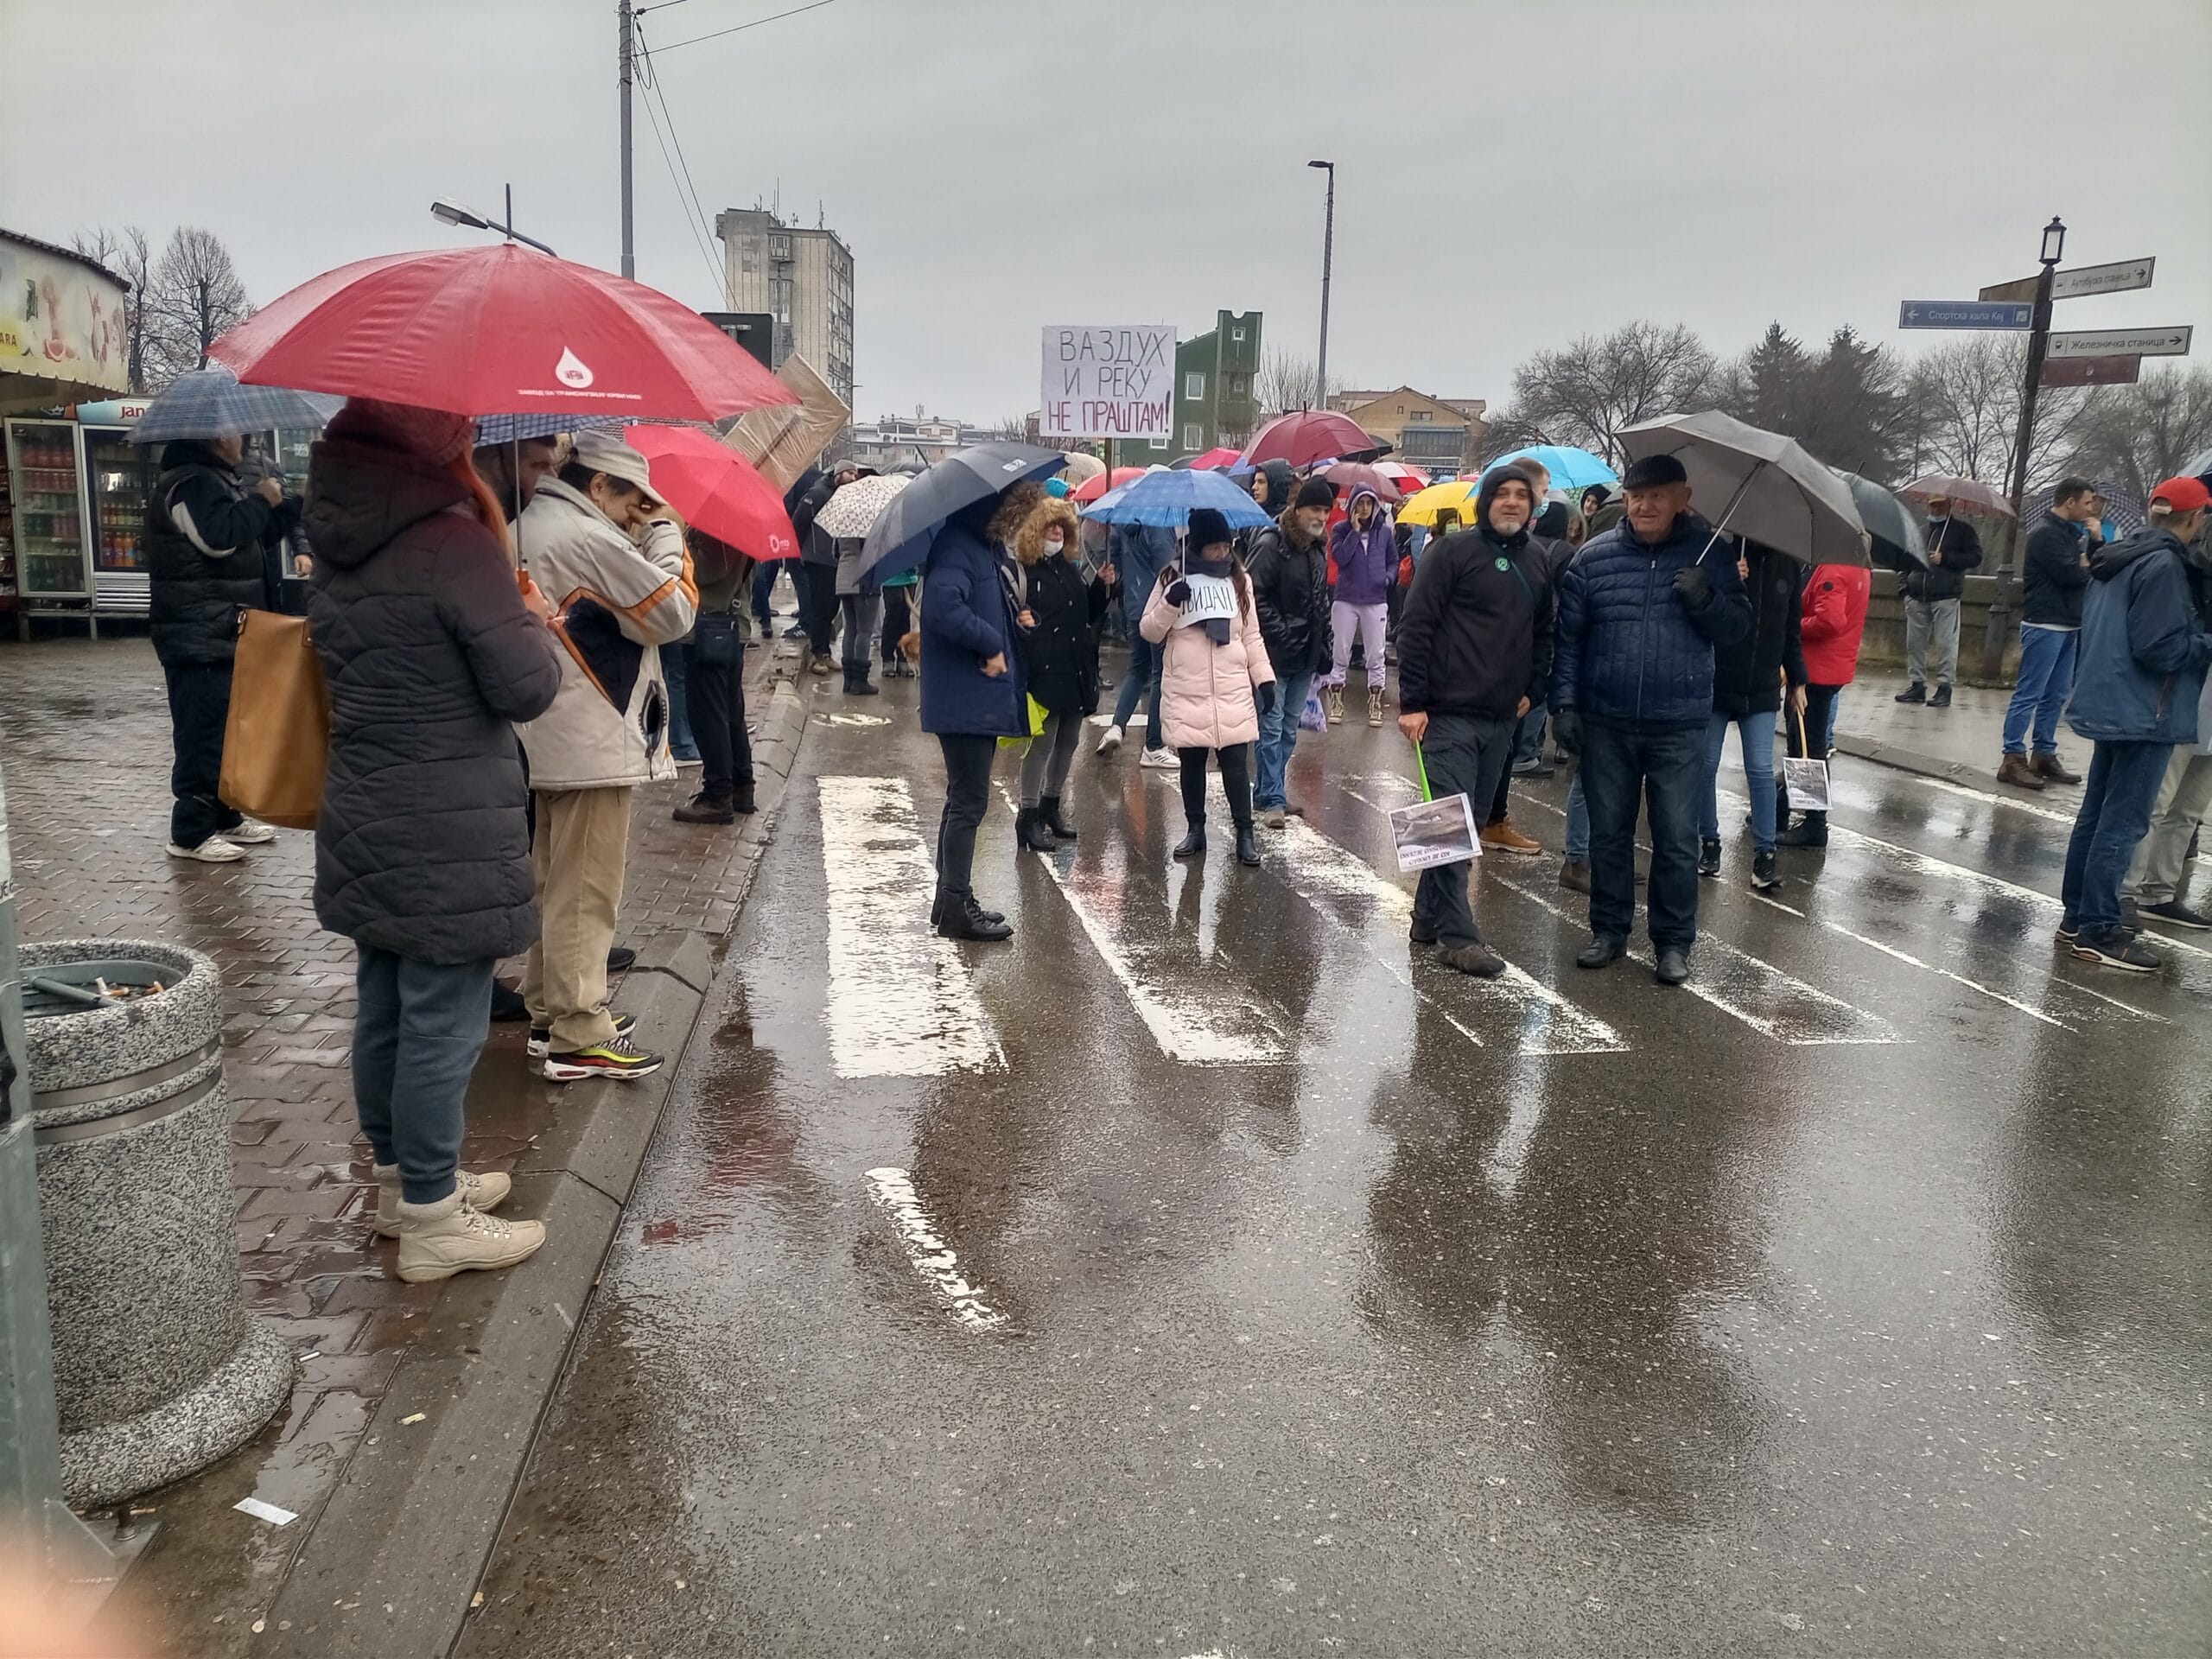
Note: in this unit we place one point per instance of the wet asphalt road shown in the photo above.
(1198, 1274)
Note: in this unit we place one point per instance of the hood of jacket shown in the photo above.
(361, 496)
(1281, 485)
(2113, 559)
(1029, 539)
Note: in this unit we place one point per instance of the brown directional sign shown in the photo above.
(2024, 290)
(2115, 278)
(2092, 371)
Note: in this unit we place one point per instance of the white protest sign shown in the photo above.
(1211, 596)
(1107, 383)
(1430, 833)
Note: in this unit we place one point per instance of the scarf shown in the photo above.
(1217, 627)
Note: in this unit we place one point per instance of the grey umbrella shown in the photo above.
(1757, 483)
(1897, 534)
(901, 538)
(209, 402)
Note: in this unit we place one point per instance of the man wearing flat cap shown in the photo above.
(1640, 610)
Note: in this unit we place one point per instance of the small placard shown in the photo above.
(1429, 833)
(1210, 597)
(1807, 782)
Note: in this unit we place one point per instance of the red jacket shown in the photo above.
(1834, 616)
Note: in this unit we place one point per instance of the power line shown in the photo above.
(740, 28)
(690, 221)
(695, 210)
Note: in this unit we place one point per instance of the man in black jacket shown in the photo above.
(1931, 604)
(817, 601)
(2054, 575)
(1289, 567)
(205, 536)
(1474, 651)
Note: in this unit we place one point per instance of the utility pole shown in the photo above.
(624, 9)
(1328, 255)
(2000, 602)
(204, 335)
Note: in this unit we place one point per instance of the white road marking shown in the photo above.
(900, 1002)
(1970, 793)
(1913, 961)
(855, 719)
(933, 1259)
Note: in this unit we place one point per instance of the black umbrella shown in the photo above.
(1898, 540)
(901, 538)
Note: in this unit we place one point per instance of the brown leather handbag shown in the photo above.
(276, 741)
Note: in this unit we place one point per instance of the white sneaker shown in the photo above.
(251, 832)
(483, 1191)
(1162, 760)
(213, 850)
(1109, 740)
(439, 1240)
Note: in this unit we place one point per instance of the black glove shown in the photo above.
(1567, 731)
(1693, 586)
(1265, 696)
(1179, 593)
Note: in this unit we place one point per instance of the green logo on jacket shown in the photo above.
(1504, 563)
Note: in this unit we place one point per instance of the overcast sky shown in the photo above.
(1510, 174)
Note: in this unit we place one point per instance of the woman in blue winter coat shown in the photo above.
(972, 690)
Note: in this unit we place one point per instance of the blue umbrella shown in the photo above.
(1165, 501)
(1571, 470)
(209, 402)
(900, 539)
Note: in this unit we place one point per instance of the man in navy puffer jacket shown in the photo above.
(1640, 610)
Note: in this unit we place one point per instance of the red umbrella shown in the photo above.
(1408, 478)
(1302, 439)
(1350, 475)
(717, 489)
(1214, 460)
(1970, 493)
(498, 330)
(1092, 488)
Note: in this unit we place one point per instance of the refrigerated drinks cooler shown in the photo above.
(52, 569)
(118, 474)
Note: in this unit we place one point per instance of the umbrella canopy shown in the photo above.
(498, 329)
(1350, 475)
(1572, 470)
(901, 538)
(1459, 494)
(1167, 498)
(1970, 493)
(782, 440)
(1757, 483)
(1407, 478)
(1081, 467)
(1308, 435)
(1213, 460)
(209, 402)
(2197, 466)
(1099, 482)
(716, 489)
(1898, 537)
(854, 510)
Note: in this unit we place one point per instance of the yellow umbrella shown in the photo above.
(1422, 507)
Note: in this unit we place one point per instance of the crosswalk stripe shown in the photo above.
(900, 1002)
(1913, 961)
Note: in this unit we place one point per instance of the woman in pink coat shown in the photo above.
(1214, 677)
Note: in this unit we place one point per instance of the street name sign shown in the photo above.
(2115, 342)
(1962, 313)
(1108, 382)
(2115, 278)
(2123, 370)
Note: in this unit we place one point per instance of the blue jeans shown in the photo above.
(1463, 754)
(1143, 667)
(764, 590)
(680, 743)
(1278, 737)
(2117, 799)
(1578, 822)
(1755, 735)
(418, 1028)
(1663, 768)
(1531, 745)
(2046, 680)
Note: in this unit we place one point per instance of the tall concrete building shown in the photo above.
(802, 278)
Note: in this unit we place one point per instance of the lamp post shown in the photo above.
(1328, 252)
(2001, 602)
(452, 213)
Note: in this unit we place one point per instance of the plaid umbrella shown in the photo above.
(854, 510)
(209, 402)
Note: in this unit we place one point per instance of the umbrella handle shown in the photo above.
(1726, 513)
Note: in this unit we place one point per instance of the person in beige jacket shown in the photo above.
(595, 540)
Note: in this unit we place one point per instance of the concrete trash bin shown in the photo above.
(157, 1369)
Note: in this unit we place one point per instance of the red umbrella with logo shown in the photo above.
(498, 330)
(717, 489)
(1302, 439)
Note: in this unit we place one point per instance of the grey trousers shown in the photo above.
(1045, 764)
(418, 1028)
(1931, 621)
(2159, 871)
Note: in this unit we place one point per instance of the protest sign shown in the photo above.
(1429, 833)
(1107, 383)
(1211, 596)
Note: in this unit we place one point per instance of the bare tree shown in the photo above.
(1585, 393)
(2134, 436)
(192, 296)
(1287, 382)
(1965, 404)
(126, 253)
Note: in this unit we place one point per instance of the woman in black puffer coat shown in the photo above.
(1059, 660)
(1748, 687)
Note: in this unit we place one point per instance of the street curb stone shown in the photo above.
(1923, 766)
(393, 1559)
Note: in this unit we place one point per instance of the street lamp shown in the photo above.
(1328, 251)
(2000, 600)
(2054, 242)
(452, 213)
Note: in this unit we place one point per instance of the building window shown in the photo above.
(1160, 443)
(1194, 436)
(1237, 335)
(1238, 384)
(1194, 387)
(1420, 414)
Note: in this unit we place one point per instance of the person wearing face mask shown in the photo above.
(1059, 659)
(204, 532)
(598, 542)
(1932, 604)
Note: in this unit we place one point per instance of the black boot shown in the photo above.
(963, 918)
(1812, 830)
(857, 684)
(1193, 842)
(1048, 813)
(1917, 692)
(741, 801)
(1031, 834)
(939, 910)
(1248, 843)
(1941, 699)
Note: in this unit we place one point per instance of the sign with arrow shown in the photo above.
(2092, 371)
(1961, 314)
(2116, 278)
(2111, 342)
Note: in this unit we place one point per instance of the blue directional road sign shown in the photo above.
(1963, 313)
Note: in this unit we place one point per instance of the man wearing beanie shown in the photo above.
(1474, 652)
(1289, 568)
(1640, 610)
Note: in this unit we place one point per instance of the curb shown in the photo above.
(392, 1562)
(1927, 766)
